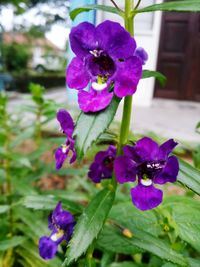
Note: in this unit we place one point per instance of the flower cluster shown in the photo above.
(61, 223)
(145, 161)
(106, 58)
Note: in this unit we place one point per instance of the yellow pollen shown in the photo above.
(57, 235)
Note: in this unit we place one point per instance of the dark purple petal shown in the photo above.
(125, 169)
(146, 197)
(83, 39)
(69, 232)
(169, 173)
(66, 122)
(77, 76)
(93, 100)
(47, 248)
(102, 167)
(141, 54)
(146, 149)
(102, 155)
(127, 76)
(129, 151)
(102, 65)
(115, 40)
(60, 157)
(61, 217)
(70, 143)
(166, 148)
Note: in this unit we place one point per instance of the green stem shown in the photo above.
(138, 3)
(38, 130)
(127, 109)
(90, 262)
(7, 172)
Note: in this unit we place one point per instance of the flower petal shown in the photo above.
(63, 219)
(146, 197)
(60, 157)
(141, 54)
(127, 76)
(130, 152)
(102, 65)
(146, 149)
(77, 76)
(166, 148)
(125, 169)
(47, 248)
(83, 39)
(115, 40)
(169, 173)
(94, 101)
(102, 167)
(66, 122)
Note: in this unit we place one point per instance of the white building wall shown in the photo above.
(147, 34)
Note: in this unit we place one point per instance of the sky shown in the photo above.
(58, 34)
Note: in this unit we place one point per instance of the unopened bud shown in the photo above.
(126, 232)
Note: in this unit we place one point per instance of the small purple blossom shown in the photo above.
(141, 54)
(67, 126)
(104, 58)
(102, 167)
(61, 223)
(150, 164)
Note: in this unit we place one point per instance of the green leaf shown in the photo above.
(4, 208)
(169, 265)
(124, 264)
(11, 242)
(29, 252)
(48, 202)
(90, 126)
(198, 127)
(89, 224)
(180, 6)
(155, 74)
(74, 13)
(187, 220)
(128, 215)
(196, 157)
(189, 176)
(141, 240)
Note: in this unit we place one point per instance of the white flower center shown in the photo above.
(99, 86)
(96, 53)
(64, 149)
(57, 235)
(146, 182)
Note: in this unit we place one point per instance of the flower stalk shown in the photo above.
(127, 109)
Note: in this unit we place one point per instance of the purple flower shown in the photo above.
(67, 126)
(150, 164)
(61, 223)
(104, 57)
(102, 167)
(141, 54)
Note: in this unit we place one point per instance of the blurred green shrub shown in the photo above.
(15, 57)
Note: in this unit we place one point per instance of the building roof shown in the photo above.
(23, 38)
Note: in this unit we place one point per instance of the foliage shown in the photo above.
(109, 229)
(18, 238)
(15, 57)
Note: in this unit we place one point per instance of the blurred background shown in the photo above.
(34, 53)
